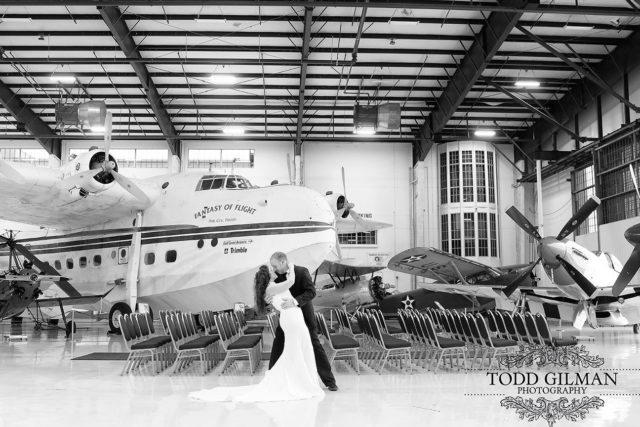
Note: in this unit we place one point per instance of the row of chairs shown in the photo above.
(525, 328)
(190, 345)
(339, 346)
(380, 347)
(138, 335)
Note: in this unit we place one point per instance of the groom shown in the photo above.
(303, 291)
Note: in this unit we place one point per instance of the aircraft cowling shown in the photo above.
(339, 204)
(88, 173)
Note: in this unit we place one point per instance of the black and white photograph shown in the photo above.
(319, 213)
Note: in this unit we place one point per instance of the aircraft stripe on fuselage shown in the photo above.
(176, 235)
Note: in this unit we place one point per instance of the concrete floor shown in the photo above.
(41, 386)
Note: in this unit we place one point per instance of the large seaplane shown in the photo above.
(192, 240)
(595, 284)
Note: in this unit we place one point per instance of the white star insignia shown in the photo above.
(408, 302)
(413, 258)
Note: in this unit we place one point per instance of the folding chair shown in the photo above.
(189, 345)
(235, 345)
(390, 346)
(141, 346)
(340, 345)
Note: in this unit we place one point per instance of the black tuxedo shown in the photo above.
(304, 291)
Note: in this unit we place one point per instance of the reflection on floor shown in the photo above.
(41, 386)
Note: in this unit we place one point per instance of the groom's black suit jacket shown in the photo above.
(303, 291)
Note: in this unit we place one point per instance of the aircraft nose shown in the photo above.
(549, 248)
(633, 234)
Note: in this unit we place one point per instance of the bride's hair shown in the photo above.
(263, 277)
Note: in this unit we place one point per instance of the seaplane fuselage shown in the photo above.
(195, 248)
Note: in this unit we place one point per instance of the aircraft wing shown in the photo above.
(42, 196)
(346, 226)
(348, 267)
(438, 265)
(83, 299)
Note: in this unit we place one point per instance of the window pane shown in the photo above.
(481, 181)
(445, 233)
(171, 256)
(469, 235)
(443, 178)
(152, 158)
(220, 159)
(97, 260)
(493, 234)
(149, 258)
(456, 243)
(491, 178)
(483, 235)
(454, 177)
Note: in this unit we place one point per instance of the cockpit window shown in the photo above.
(237, 182)
(210, 182)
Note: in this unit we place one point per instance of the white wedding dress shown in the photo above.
(294, 375)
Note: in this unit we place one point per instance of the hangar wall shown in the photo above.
(556, 190)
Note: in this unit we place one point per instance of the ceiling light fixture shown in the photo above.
(578, 27)
(223, 79)
(63, 78)
(485, 132)
(405, 22)
(365, 131)
(527, 83)
(233, 130)
(210, 21)
(15, 19)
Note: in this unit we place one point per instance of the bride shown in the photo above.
(294, 376)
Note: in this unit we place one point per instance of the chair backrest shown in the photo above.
(446, 323)
(272, 318)
(530, 323)
(481, 325)
(124, 328)
(510, 326)
(376, 328)
(520, 326)
(163, 320)
(491, 321)
(223, 331)
(322, 325)
(380, 318)
(457, 323)
(143, 324)
(241, 319)
(428, 330)
(175, 331)
(502, 329)
(468, 336)
(473, 326)
(543, 328)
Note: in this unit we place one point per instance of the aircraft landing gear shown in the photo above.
(118, 309)
(68, 328)
(636, 328)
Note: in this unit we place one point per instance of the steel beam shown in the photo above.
(306, 40)
(485, 46)
(611, 70)
(580, 69)
(122, 35)
(34, 124)
(543, 114)
(386, 4)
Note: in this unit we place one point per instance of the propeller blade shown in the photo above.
(635, 181)
(580, 315)
(628, 271)
(132, 188)
(344, 185)
(513, 285)
(107, 137)
(580, 216)
(584, 283)
(76, 180)
(63, 284)
(523, 222)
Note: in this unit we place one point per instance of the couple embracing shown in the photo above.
(297, 357)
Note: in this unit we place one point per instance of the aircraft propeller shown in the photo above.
(63, 283)
(548, 247)
(632, 234)
(513, 285)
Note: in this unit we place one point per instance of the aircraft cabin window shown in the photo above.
(210, 182)
(149, 258)
(171, 256)
(217, 183)
(97, 260)
(83, 262)
(231, 182)
(57, 264)
(69, 263)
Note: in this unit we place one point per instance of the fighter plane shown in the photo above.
(192, 240)
(580, 277)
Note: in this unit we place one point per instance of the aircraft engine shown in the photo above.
(339, 204)
(90, 173)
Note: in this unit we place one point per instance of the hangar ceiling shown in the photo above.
(301, 66)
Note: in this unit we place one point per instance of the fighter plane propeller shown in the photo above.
(551, 250)
(632, 234)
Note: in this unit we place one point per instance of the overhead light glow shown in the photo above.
(63, 78)
(97, 129)
(365, 131)
(578, 27)
(403, 22)
(223, 79)
(233, 130)
(10, 19)
(527, 83)
(210, 21)
(485, 132)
